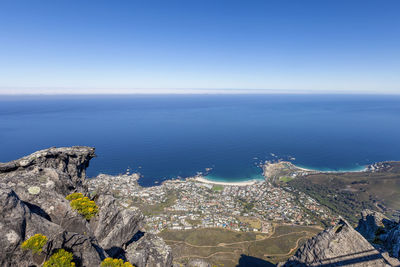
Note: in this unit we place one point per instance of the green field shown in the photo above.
(285, 179)
(223, 247)
(217, 188)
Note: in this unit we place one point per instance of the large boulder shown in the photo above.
(371, 223)
(382, 232)
(72, 161)
(13, 228)
(86, 250)
(392, 241)
(149, 251)
(114, 226)
(44, 178)
(337, 246)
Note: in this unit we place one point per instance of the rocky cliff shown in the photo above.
(384, 234)
(338, 246)
(32, 200)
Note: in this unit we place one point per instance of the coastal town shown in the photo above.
(197, 203)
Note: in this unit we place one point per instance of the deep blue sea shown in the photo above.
(166, 136)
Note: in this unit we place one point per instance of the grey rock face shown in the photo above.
(13, 215)
(149, 251)
(44, 178)
(69, 160)
(198, 263)
(392, 241)
(382, 232)
(114, 227)
(18, 223)
(370, 222)
(32, 201)
(86, 249)
(337, 246)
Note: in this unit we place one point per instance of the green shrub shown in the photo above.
(110, 262)
(61, 258)
(35, 243)
(83, 205)
(74, 196)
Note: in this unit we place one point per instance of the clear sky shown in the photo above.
(151, 46)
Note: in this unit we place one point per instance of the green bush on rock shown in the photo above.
(110, 262)
(61, 258)
(35, 243)
(74, 196)
(83, 205)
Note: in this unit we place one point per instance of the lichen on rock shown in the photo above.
(34, 190)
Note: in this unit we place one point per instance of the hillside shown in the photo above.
(347, 194)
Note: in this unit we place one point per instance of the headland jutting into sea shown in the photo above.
(272, 169)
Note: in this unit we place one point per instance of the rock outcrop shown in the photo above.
(383, 233)
(115, 227)
(371, 223)
(337, 246)
(198, 263)
(18, 222)
(32, 201)
(149, 250)
(391, 241)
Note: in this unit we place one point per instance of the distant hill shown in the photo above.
(348, 193)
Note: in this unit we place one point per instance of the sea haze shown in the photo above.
(166, 136)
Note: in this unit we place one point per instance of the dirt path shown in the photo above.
(241, 250)
(235, 243)
(290, 251)
(235, 249)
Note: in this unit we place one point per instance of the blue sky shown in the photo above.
(173, 46)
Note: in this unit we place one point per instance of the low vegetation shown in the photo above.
(217, 187)
(347, 194)
(110, 262)
(344, 203)
(35, 243)
(74, 196)
(285, 179)
(223, 247)
(83, 205)
(61, 258)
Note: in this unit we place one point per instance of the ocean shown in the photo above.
(169, 136)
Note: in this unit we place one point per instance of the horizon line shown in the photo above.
(192, 91)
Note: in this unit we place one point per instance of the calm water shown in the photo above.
(170, 136)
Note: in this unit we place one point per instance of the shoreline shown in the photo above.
(365, 168)
(251, 181)
(202, 179)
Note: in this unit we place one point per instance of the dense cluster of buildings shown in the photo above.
(188, 204)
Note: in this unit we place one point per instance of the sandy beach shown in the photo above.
(204, 180)
(319, 171)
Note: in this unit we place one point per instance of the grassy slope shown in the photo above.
(225, 248)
